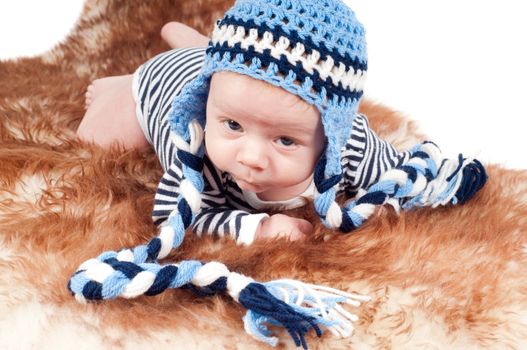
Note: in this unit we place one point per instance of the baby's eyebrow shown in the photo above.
(284, 126)
(292, 129)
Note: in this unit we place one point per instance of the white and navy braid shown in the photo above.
(425, 179)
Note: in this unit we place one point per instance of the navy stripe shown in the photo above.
(165, 213)
(164, 192)
(238, 226)
(383, 164)
(210, 167)
(354, 158)
(373, 167)
(226, 227)
(172, 175)
(351, 147)
(215, 210)
(168, 182)
(198, 218)
(358, 138)
(209, 202)
(165, 202)
(205, 226)
(159, 221)
(295, 38)
(223, 218)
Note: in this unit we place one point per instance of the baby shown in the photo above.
(264, 116)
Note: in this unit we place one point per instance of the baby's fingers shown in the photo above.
(304, 226)
(296, 236)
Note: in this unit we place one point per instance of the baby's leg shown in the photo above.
(178, 35)
(110, 114)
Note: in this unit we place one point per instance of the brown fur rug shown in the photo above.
(452, 277)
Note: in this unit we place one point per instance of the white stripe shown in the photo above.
(345, 75)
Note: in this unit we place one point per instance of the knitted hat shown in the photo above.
(311, 48)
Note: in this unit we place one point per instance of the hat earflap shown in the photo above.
(425, 179)
(191, 104)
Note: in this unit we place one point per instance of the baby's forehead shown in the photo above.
(245, 89)
(254, 103)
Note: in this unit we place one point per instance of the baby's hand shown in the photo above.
(280, 225)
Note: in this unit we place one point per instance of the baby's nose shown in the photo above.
(253, 155)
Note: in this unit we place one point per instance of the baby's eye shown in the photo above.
(232, 125)
(286, 141)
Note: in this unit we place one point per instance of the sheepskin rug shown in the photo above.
(446, 278)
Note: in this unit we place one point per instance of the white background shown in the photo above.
(458, 67)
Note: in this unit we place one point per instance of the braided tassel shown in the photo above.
(294, 305)
(129, 273)
(426, 179)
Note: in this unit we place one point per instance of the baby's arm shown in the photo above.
(246, 227)
(416, 178)
(217, 218)
(225, 221)
(178, 35)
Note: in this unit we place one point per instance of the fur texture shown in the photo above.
(450, 277)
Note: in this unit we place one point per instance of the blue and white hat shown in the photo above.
(314, 49)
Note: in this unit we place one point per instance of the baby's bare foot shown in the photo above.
(88, 96)
(178, 35)
(110, 114)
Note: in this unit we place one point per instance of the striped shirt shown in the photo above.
(227, 209)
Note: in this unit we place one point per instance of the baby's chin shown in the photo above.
(267, 192)
(273, 191)
(253, 187)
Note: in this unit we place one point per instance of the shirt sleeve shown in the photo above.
(366, 156)
(216, 217)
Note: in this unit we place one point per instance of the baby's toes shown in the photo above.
(88, 96)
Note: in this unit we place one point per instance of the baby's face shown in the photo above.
(268, 139)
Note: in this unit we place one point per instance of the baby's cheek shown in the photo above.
(303, 168)
(217, 152)
(210, 147)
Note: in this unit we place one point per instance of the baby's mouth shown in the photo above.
(243, 179)
(246, 183)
